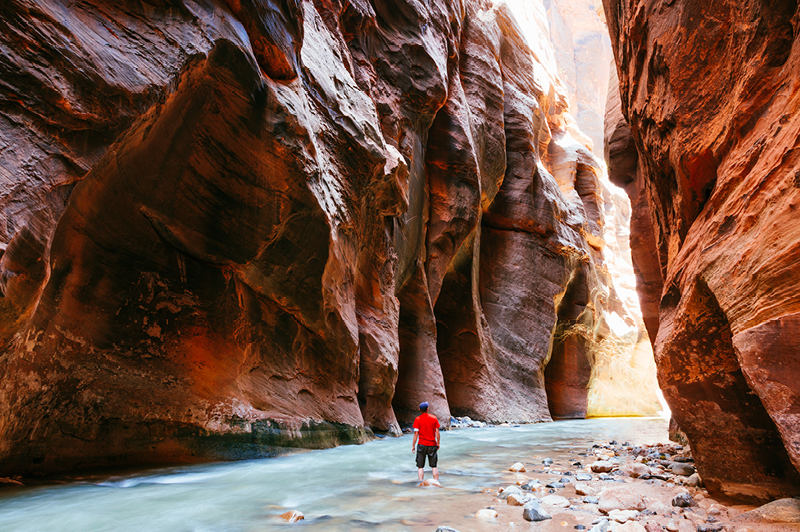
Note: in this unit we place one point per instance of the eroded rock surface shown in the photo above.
(233, 227)
(709, 156)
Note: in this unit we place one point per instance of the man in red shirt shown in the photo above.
(426, 430)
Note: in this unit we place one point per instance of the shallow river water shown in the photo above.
(356, 487)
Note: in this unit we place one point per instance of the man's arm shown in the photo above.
(437, 436)
(414, 445)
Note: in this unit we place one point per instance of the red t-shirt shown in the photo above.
(426, 424)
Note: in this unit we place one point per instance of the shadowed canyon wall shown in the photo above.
(233, 227)
(704, 134)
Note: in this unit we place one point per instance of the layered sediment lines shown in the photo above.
(235, 227)
(704, 137)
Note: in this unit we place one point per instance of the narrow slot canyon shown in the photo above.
(232, 230)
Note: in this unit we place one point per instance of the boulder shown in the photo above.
(633, 526)
(603, 466)
(581, 488)
(621, 497)
(639, 470)
(683, 500)
(780, 511)
(533, 511)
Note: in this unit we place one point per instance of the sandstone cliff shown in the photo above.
(233, 227)
(709, 156)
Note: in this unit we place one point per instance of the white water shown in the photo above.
(364, 487)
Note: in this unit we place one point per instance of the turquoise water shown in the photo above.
(357, 487)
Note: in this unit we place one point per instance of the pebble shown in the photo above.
(672, 526)
(631, 526)
(508, 490)
(292, 516)
(533, 511)
(564, 480)
(581, 488)
(601, 526)
(555, 485)
(682, 468)
(556, 500)
(591, 500)
(486, 513)
(446, 529)
(515, 500)
(652, 526)
(693, 480)
(639, 470)
(683, 500)
(547, 461)
(602, 466)
(710, 527)
(430, 483)
(621, 516)
(518, 467)
(579, 527)
(583, 477)
(531, 485)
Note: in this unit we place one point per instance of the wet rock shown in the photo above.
(518, 467)
(583, 477)
(533, 511)
(591, 500)
(565, 480)
(780, 511)
(683, 500)
(547, 461)
(554, 485)
(292, 516)
(486, 513)
(603, 466)
(430, 483)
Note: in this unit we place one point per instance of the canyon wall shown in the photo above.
(704, 134)
(234, 227)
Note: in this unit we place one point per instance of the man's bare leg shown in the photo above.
(435, 473)
(420, 473)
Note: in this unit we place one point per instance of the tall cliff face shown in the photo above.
(709, 156)
(233, 227)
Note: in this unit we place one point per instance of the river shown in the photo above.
(356, 487)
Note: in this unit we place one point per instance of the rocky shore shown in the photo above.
(619, 487)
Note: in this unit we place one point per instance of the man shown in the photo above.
(426, 430)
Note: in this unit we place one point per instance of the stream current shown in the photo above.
(355, 487)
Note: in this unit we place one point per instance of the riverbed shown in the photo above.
(356, 487)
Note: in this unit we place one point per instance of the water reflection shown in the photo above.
(365, 487)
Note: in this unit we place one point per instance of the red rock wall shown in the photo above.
(710, 90)
(235, 227)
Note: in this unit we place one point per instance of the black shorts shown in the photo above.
(427, 450)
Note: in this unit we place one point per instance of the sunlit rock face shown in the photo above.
(235, 227)
(709, 157)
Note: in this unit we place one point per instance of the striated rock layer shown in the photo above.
(708, 152)
(235, 227)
